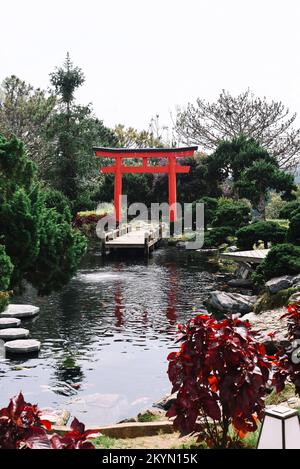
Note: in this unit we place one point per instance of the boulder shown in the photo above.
(20, 311)
(56, 417)
(296, 280)
(265, 324)
(165, 402)
(9, 322)
(240, 282)
(14, 333)
(22, 346)
(279, 283)
(231, 302)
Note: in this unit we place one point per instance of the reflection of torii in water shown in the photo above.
(172, 297)
(172, 294)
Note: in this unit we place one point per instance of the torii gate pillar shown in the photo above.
(172, 168)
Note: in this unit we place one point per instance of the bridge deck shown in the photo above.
(256, 256)
(142, 236)
(133, 239)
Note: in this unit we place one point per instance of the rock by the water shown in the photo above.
(240, 282)
(296, 280)
(56, 417)
(14, 333)
(22, 346)
(9, 322)
(20, 311)
(231, 302)
(279, 283)
(268, 322)
(165, 402)
(232, 248)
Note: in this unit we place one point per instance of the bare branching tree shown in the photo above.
(270, 123)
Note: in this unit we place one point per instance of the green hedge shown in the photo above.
(283, 259)
(232, 213)
(288, 209)
(293, 233)
(260, 231)
(217, 236)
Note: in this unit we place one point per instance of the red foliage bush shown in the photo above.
(287, 360)
(220, 373)
(22, 427)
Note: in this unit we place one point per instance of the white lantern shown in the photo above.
(280, 429)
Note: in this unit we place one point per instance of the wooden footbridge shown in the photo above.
(246, 259)
(144, 237)
(255, 256)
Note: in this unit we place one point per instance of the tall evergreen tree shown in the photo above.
(73, 131)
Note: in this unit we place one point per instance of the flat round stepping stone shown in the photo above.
(9, 322)
(20, 311)
(14, 333)
(22, 346)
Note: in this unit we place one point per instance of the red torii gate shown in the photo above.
(172, 168)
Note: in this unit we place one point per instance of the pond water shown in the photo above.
(106, 336)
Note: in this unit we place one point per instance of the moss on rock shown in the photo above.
(269, 301)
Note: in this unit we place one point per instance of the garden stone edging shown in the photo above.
(231, 302)
(128, 430)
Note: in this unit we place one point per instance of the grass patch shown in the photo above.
(277, 398)
(147, 417)
(106, 442)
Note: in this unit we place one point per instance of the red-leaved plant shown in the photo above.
(287, 360)
(21, 426)
(220, 373)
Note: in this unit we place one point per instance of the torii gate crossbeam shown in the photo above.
(172, 168)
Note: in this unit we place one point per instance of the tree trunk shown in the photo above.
(261, 207)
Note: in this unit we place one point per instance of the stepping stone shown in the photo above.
(15, 333)
(9, 322)
(20, 311)
(22, 346)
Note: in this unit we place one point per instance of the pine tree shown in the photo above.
(73, 132)
(39, 240)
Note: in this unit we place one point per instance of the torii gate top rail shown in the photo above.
(171, 168)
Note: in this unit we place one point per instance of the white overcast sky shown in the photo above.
(144, 57)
